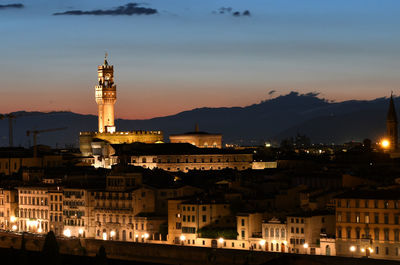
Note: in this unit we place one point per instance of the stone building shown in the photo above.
(304, 231)
(8, 209)
(56, 210)
(186, 216)
(76, 212)
(275, 234)
(106, 96)
(184, 157)
(34, 209)
(198, 138)
(368, 224)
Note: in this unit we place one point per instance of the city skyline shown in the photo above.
(185, 57)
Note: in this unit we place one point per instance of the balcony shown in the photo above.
(256, 235)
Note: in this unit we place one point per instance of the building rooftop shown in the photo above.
(392, 194)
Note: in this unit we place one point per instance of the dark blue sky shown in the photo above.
(186, 56)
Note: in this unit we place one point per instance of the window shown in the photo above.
(376, 203)
(242, 221)
(376, 234)
(358, 233)
(283, 234)
(348, 232)
(366, 203)
(266, 232)
(386, 204)
(357, 217)
(272, 232)
(348, 204)
(348, 217)
(302, 230)
(377, 250)
(376, 217)
(204, 217)
(386, 234)
(243, 234)
(339, 232)
(357, 203)
(339, 203)
(396, 235)
(366, 218)
(386, 218)
(396, 219)
(297, 230)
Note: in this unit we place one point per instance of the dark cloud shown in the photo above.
(128, 9)
(9, 6)
(229, 10)
(271, 92)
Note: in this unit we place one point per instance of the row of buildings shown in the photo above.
(357, 223)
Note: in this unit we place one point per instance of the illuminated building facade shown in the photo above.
(8, 209)
(34, 209)
(56, 211)
(274, 232)
(75, 212)
(199, 139)
(368, 224)
(305, 230)
(106, 96)
(187, 217)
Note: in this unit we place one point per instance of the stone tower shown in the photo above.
(391, 125)
(106, 96)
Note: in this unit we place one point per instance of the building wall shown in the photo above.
(11, 165)
(275, 235)
(8, 209)
(56, 211)
(368, 224)
(199, 140)
(185, 163)
(76, 212)
(33, 209)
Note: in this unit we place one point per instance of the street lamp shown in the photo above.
(305, 246)
(385, 143)
(352, 249)
(221, 241)
(14, 227)
(182, 238)
(67, 233)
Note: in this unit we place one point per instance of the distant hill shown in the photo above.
(273, 119)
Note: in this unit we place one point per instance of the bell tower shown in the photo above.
(391, 125)
(106, 96)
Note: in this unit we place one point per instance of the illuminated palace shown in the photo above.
(106, 96)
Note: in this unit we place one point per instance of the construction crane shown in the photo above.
(10, 117)
(36, 132)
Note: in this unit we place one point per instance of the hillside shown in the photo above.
(273, 119)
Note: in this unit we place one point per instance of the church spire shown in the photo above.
(391, 124)
(391, 115)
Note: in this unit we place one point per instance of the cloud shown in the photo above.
(9, 6)
(128, 9)
(229, 10)
(271, 92)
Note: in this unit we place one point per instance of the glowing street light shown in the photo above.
(14, 227)
(13, 219)
(67, 233)
(305, 245)
(262, 242)
(104, 236)
(352, 248)
(221, 240)
(40, 230)
(146, 236)
(385, 143)
(80, 231)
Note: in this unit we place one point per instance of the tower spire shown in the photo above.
(391, 124)
(105, 58)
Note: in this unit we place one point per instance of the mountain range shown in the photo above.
(272, 120)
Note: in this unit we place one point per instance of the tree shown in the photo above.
(50, 251)
(101, 256)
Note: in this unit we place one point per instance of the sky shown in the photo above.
(188, 55)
